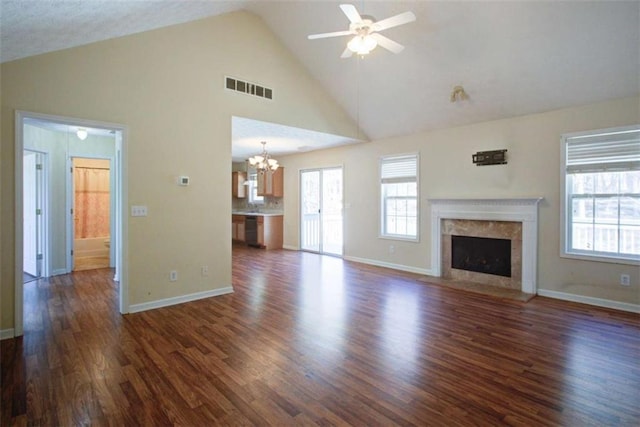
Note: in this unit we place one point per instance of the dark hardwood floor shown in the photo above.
(314, 340)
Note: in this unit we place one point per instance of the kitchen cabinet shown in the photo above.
(271, 183)
(237, 228)
(238, 189)
(269, 229)
(270, 232)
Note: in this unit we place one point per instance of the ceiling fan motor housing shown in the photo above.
(363, 27)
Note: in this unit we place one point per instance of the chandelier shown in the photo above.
(263, 162)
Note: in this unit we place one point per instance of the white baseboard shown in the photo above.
(600, 302)
(6, 334)
(136, 308)
(290, 248)
(59, 271)
(400, 267)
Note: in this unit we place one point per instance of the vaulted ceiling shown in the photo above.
(512, 57)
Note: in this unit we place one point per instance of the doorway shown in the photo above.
(321, 222)
(91, 213)
(64, 136)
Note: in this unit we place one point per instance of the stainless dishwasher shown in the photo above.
(251, 230)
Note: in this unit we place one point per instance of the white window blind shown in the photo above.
(401, 168)
(604, 152)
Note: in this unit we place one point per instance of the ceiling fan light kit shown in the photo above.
(366, 32)
(362, 45)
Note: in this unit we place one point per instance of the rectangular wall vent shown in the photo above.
(248, 88)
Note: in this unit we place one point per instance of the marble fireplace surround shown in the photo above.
(523, 210)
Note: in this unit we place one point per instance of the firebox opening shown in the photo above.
(481, 254)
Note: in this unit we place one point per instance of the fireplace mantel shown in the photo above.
(524, 210)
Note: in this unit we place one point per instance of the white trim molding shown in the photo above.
(399, 267)
(599, 302)
(136, 308)
(524, 210)
(6, 334)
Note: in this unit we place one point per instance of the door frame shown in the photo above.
(321, 171)
(121, 201)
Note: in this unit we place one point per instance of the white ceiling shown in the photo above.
(513, 57)
(71, 129)
(247, 135)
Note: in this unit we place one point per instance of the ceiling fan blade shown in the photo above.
(351, 12)
(387, 43)
(394, 21)
(333, 34)
(347, 53)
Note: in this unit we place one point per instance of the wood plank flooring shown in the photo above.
(313, 340)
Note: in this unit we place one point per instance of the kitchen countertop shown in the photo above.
(257, 213)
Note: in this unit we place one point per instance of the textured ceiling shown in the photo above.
(31, 27)
(513, 58)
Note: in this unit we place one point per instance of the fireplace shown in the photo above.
(481, 254)
(486, 234)
(513, 220)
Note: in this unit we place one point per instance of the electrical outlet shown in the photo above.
(625, 280)
(173, 276)
(205, 270)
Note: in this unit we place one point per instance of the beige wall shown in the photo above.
(446, 171)
(166, 86)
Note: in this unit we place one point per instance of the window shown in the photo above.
(602, 195)
(399, 197)
(253, 189)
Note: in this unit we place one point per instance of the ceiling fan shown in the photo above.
(366, 32)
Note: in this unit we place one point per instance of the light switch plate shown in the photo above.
(138, 211)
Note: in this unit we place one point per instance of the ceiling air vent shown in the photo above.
(248, 88)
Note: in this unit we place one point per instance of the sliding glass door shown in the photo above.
(321, 210)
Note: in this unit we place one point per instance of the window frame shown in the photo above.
(382, 234)
(252, 189)
(566, 211)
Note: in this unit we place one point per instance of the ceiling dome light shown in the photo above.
(82, 134)
(362, 45)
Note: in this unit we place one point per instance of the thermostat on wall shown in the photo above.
(183, 180)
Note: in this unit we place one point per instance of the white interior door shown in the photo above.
(30, 222)
(321, 224)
